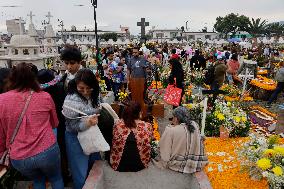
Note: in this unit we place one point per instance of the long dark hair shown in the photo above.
(4, 73)
(23, 77)
(176, 72)
(88, 77)
(176, 67)
(131, 113)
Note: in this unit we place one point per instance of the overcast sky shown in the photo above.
(160, 13)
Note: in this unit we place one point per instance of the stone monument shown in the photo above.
(143, 25)
(23, 48)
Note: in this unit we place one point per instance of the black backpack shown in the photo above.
(209, 75)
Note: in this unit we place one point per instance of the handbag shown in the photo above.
(92, 139)
(5, 158)
(173, 95)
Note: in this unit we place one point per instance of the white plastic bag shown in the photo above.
(92, 141)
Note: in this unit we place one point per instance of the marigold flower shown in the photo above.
(269, 152)
(264, 163)
(220, 116)
(279, 150)
(277, 171)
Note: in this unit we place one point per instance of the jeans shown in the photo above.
(279, 88)
(230, 78)
(79, 163)
(45, 165)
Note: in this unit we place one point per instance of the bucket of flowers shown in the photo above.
(227, 120)
(263, 158)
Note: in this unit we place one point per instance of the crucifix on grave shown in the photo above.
(20, 22)
(143, 25)
(31, 16)
(48, 17)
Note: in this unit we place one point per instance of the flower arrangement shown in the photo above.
(156, 133)
(197, 77)
(231, 90)
(165, 73)
(122, 96)
(156, 85)
(229, 116)
(264, 110)
(155, 95)
(155, 141)
(264, 83)
(262, 72)
(103, 85)
(224, 165)
(264, 158)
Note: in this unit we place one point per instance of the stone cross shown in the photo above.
(49, 16)
(20, 22)
(31, 16)
(143, 25)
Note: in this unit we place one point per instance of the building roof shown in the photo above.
(178, 30)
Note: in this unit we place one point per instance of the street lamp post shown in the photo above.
(100, 68)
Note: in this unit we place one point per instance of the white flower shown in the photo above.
(210, 169)
(221, 153)
(265, 174)
(220, 167)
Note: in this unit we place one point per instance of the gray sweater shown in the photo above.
(73, 121)
(280, 75)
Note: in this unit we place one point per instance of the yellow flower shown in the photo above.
(237, 119)
(269, 152)
(220, 116)
(264, 163)
(279, 150)
(277, 171)
(229, 104)
(244, 119)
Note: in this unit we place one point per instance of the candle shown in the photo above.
(204, 116)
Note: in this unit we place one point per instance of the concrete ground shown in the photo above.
(151, 178)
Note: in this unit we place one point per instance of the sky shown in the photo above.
(111, 14)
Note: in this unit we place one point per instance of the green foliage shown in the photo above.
(272, 140)
(256, 26)
(275, 28)
(108, 36)
(231, 23)
(241, 132)
(212, 128)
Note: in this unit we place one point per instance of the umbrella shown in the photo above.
(234, 40)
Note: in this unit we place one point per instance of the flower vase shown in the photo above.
(224, 132)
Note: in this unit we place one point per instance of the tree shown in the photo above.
(274, 28)
(256, 27)
(108, 36)
(231, 23)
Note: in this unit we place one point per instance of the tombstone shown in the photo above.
(143, 25)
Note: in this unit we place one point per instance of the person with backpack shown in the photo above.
(219, 73)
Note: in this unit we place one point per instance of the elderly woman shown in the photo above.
(181, 147)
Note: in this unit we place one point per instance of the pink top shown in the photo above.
(233, 66)
(35, 134)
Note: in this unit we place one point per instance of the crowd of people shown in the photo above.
(46, 147)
